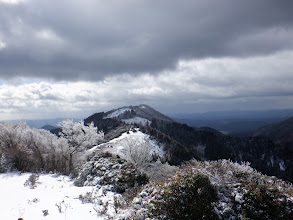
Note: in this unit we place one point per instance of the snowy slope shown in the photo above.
(53, 193)
(137, 138)
(137, 120)
(55, 196)
(117, 112)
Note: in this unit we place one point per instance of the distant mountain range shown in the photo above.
(39, 123)
(182, 142)
(234, 114)
(48, 127)
(237, 123)
(280, 133)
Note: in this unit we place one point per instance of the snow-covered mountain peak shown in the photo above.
(141, 114)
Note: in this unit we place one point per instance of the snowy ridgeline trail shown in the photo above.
(53, 197)
(134, 138)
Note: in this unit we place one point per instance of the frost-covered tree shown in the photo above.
(52, 151)
(138, 151)
(15, 146)
(79, 137)
(27, 149)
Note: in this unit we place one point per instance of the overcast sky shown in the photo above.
(72, 58)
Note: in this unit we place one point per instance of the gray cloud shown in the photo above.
(90, 40)
(194, 86)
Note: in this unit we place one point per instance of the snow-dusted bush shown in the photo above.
(186, 196)
(245, 192)
(106, 169)
(242, 192)
(261, 201)
(147, 155)
(160, 172)
(32, 180)
(87, 197)
(79, 137)
(45, 212)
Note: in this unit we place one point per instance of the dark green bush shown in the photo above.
(263, 202)
(186, 197)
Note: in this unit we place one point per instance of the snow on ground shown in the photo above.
(137, 120)
(55, 196)
(118, 145)
(117, 112)
(54, 193)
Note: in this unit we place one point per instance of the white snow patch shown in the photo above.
(282, 166)
(54, 193)
(272, 160)
(201, 149)
(117, 113)
(238, 197)
(137, 120)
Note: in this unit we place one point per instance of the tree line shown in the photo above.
(30, 150)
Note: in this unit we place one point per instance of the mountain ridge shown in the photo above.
(183, 142)
(48, 127)
(142, 111)
(239, 123)
(281, 132)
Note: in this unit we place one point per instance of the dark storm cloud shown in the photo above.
(88, 40)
